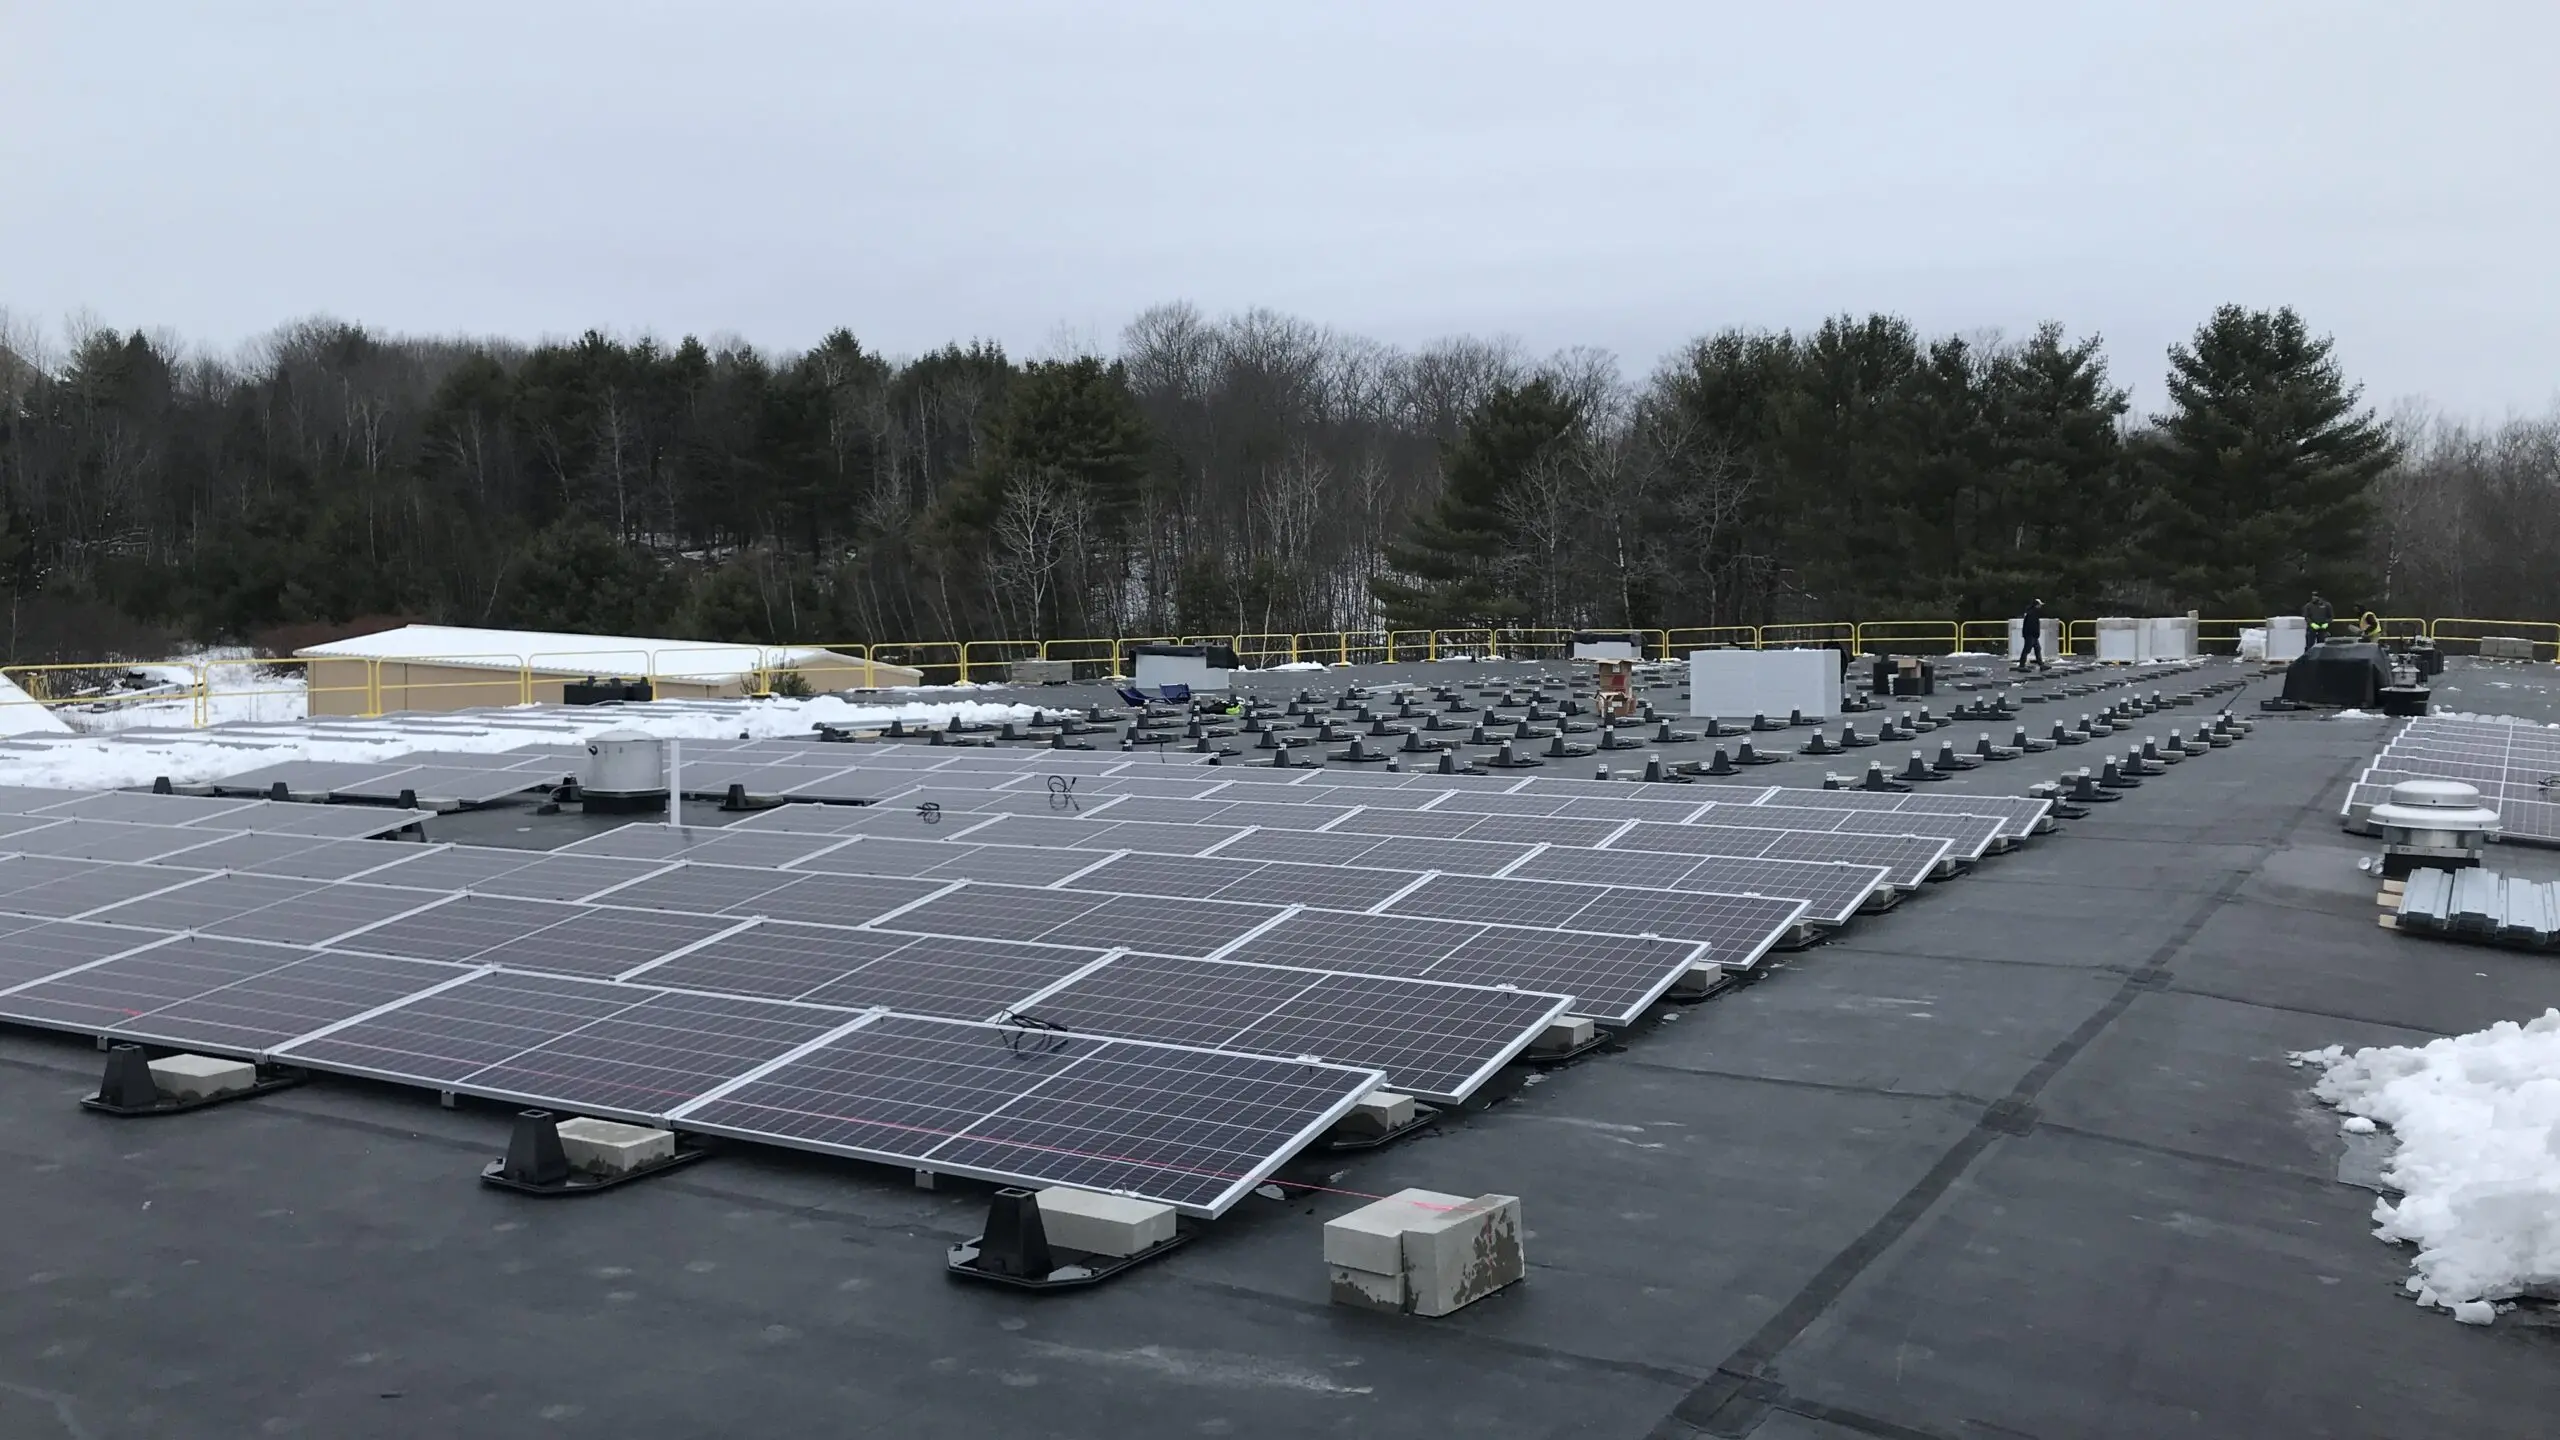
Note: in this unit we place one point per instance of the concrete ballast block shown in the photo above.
(202, 1077)
(1422, 1252)
(609, 1147)
(1377, 1113)
(1100, 1224)
(1455, 1257)
(1568, 1033)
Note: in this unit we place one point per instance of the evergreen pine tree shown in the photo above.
(1448, 567)
(2258, 476)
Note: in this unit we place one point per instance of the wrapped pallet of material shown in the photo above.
(2119, 640)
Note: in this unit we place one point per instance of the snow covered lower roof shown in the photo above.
(554, 653)
(21, 715)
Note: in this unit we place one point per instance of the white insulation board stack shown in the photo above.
(2287, 637)
(2128, 640)
(1775, 683)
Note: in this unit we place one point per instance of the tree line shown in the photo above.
(1250, 474)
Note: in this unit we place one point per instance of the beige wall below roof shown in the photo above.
(346, 687)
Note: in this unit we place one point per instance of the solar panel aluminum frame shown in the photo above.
(680, 1117)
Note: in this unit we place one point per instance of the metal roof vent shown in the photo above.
(2439, 823)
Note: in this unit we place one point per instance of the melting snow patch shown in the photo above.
(2477, 1118)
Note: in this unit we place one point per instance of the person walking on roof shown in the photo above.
(2316, 617)
(2031, 636)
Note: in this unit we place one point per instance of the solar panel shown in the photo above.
(841, 899)
(101, 840)
(443, 784)
(648, 1058)
(22, 799)
(61, 889)
(461, 929)
(874, 855)
(1969, 835)
(143, 808)
(1612, 978)
(32, 949)
(924, 975)
(703, 889)
(214, 994)
(317, 915)
(1435, 1041)
(1160, 926)
(304, 777)
(1831, 891)
(718, 847)
(443, 1038)
(601, 942)
(559, 877)
(1910, 860)
(998, 912)
(1193, 1129)
(294, 856)
(453, 867)
(344, 822)
(1009, 864)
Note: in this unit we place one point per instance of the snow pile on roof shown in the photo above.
(21, 715)
(2478, 1166)
(116, 761)
(565, 654)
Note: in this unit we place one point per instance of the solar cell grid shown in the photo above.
(1153, 838)
(453, 867)
(211, 899)
(1458, 857)
(648, 1058)
(32, 949)
(1611, 977)
(602, 943)
(461, 929)
(840, 899)
(443, 1038)
(1435, 1041)
(1161, 926)
(877, 855)
(1331, 848)
(1507, 902)
(258, 1012)
(1372, 944)
(1011, 864)
(61, 889)
(776, 960)
(560, 877)
(954, 978)
(1194, 1129)
(702, 888)
(347, 822)
(142, 808)
(1327, 887)
(997, 912)
(102, 840)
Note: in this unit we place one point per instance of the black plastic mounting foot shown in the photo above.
(1015, 1251)
(127, 1090)
(535, 1163)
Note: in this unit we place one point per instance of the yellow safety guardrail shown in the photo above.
(261, 688)
(1918, 635)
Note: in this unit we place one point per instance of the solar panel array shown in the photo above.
(1032, 966)
(2514, 765)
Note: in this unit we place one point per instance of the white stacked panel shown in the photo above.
(1775, 683)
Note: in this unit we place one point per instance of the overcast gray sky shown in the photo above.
(1619, 175)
